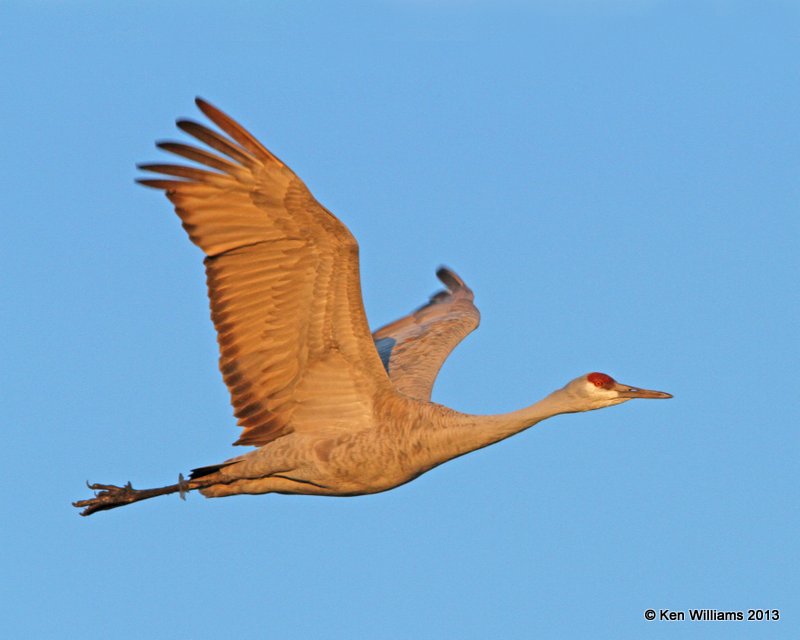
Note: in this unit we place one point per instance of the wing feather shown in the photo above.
(203, 157)
(414, 348)
(283, 281)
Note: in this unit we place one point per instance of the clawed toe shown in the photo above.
(107, 487)
(106, 496)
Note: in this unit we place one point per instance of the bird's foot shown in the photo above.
(108, 497)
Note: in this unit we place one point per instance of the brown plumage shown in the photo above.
(334, 409)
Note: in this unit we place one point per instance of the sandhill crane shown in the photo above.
(333, 410)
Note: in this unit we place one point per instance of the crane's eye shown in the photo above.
(600, 380)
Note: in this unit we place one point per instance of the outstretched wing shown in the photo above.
(414, 348)
(283, 280)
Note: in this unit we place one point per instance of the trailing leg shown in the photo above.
(110, 496)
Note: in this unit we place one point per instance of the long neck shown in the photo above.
(463, 433)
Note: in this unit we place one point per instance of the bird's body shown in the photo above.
(333, 461)
(332, 408)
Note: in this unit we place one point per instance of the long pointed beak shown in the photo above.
(627, 391)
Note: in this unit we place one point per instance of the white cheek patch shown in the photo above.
(600, 393)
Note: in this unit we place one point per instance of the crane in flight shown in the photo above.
(333, 409)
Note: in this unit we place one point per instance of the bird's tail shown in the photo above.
(201, 472)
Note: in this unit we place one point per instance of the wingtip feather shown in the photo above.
(208, 109)
(235, 130)
(450, 279)
(153, 183)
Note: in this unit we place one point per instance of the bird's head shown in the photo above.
(597, 390)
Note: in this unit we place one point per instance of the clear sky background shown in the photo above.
(616, 180)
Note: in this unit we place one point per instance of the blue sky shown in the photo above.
(617, 181)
